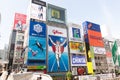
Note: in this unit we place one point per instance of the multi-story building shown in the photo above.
(15, 47)
(17, 40)
(11, 47)
(108, 47)
(17, 60)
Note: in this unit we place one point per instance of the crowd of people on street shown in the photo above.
(7, 73)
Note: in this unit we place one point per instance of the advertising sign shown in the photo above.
(56, 14)
(88, 52)
(108, 54)
(90, 67)
(91, 26)
(37, 29)
(76, 47)
(57, 50)
(74, 33)
(85, 32)
(36, 67)
(38, 10)
(78, 60)
(95, 38)
(99, 50)
(36, 51)
(37, 48)
(20, 22)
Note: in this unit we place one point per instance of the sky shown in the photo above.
(106, 13)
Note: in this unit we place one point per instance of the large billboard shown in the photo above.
(37, 29)
(78, 60)
(77, 47)
(36, 52)
(91, 26)
(75, 33)
(38, 10)
(56, 14)
(57, 50)
(20, 22)
(95, 38)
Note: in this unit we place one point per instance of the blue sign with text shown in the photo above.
(37, 29)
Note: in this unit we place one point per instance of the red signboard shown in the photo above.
(95, 38)
(19, 22)
(109, 54)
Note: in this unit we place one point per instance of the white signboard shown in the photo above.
(38, 12)
(75, 33)
(57, 31)
(99, 50)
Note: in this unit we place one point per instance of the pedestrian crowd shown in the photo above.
(8, 74)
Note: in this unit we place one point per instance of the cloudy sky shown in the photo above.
(103, 12)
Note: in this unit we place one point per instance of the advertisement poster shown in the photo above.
(91, 26)
(99, 50)
(20, 22)
(95, 38)
(57, 50)
(37, 29)
(77, 47)
(37, 51)
(56, 14)
(74, 33)
(90, 67)
(78, 60)
(38, 10)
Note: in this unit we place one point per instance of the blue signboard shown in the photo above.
(91, 26)
(37, 49)
(37, 29)
(78, 60)
(86, 38)
(57, 54)
(76, 32)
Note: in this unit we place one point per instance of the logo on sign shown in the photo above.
(56, 32)
(76, 32)
(37, 28)
(99, 50)
(77, 60)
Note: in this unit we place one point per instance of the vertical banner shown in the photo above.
(57, 50)
(114, 52)
(38, 10)
(37, 43)
(20, 22)
(90, 67)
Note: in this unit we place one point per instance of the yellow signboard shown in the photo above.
(76, 47)
(90, 67)
(55, 14)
